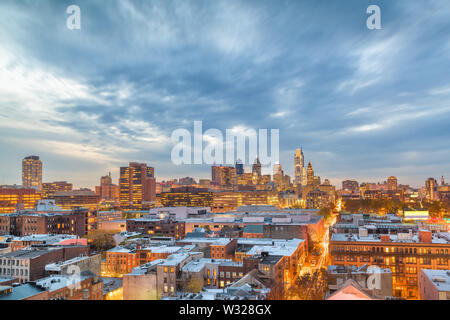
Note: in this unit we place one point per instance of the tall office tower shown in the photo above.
(239, 168)
(442, 181)
(392, 183)
(278, 175)
(431, 189)
(299, 162)
(317, 181)
(137, 185)
(107, 190)
(304, 177)
(256, 171)
(32, 172)
(223, 175)
(310, 175)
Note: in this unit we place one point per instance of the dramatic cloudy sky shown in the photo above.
(364, 104)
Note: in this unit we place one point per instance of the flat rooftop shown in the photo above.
(439, 278)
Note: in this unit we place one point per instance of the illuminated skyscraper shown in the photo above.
(223, 175)
(278, 175)
(431, 188)
(299, 162)
(310, 174)
(32, 172)
(137, 185)
(392, 183)
(256, 171)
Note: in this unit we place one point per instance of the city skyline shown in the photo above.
(363, 104)
(115, 176)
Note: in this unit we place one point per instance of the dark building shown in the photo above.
(162, 227)
(75, 222)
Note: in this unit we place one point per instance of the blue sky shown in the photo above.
(363, 104)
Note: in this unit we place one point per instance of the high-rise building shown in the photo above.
(299, 162)
(223, 176)
(107, 190)
(32, 172)
(278, 176)
(310, 175)
(137, 185)
(239, 168)
(256, 171)
(431, 189)
(392, 183)
(304, 177)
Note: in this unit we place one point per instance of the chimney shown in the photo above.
(425, 236)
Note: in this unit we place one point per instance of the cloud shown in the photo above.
(115, 90)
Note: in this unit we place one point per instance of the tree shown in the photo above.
(194, 285)
(101, 240)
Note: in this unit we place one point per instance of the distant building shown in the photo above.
(392, 183)
(239, 168)
(13, 199)
(223, 176)
(299, 164)
(351, 185)
(187, 197)
(431, 189)
(32, 172)
(310, 175)
(163, 227)
(137, 186)
(50, 188)
(107, 190)
(256, 171)
(69, 200)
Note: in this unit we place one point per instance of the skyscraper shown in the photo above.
(392, 183)
(278, 175)
(223, 175)
(310, 175)
(239, 168)
(299, 162)
(256, 171)
(107, 190)
(32, 172)
(137, 185)
(431, 188)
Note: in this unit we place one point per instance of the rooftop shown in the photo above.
(23, 292)
(439, 278)
(438, 238)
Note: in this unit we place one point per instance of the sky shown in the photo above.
(363, 104)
